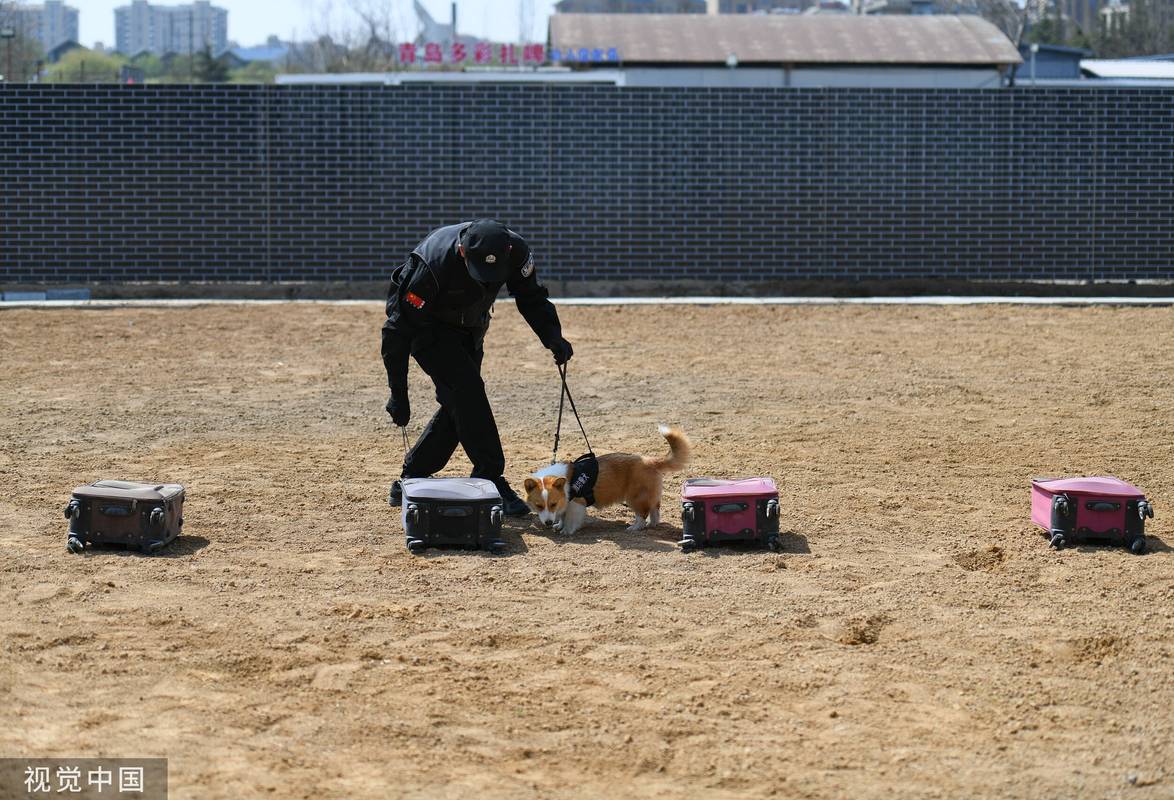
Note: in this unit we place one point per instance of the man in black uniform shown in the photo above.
(438, 307)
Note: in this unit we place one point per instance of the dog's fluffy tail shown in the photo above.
(679, 448)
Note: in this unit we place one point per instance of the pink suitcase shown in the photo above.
(1075, 510)
(715, 510)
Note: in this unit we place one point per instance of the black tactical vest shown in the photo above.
(584, 474)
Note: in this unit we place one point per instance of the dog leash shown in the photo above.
(566, 394)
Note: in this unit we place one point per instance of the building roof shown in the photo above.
(263, 52)
(782, 39)
(1128, 68)
(54, 54)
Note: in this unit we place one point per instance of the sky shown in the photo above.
(250, 22)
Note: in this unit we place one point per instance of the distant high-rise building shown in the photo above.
(163, 30)
(630, 7)
(52, 23)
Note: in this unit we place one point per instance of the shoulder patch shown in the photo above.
(415, 300)
(528, 267)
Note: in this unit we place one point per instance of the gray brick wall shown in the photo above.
(109, 183)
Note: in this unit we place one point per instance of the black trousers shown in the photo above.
(451, 357)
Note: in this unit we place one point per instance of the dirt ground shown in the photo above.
(917, 638)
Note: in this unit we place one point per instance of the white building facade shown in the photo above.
(162, 30)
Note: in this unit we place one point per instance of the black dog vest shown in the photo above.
(584, 473)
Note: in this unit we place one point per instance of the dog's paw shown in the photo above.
(557, 527)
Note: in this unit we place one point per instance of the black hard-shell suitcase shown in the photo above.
(143, 515)
(452, 512)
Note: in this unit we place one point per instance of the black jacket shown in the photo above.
(434, 287)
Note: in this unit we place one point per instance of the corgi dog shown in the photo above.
(623, 478)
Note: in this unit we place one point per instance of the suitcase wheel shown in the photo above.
(74, 545)
(496, 546)
(774, 544)
(152, 547)
(416, 546)
(687, 544)
(1144, 509)
(1058, 541)
(74, 508)
(1137, 546)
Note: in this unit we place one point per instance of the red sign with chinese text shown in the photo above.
(460, 53)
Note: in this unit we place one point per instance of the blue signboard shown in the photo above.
(584, 55)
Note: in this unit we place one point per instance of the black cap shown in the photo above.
(487, 250)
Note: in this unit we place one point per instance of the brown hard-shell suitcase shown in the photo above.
(143, 515)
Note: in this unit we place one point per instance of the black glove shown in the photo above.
(398, 407)
(562, 351)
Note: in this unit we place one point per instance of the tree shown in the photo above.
(152, 66)
(365, 46)
(1147, 29)
(207, 69)
(1006, 15)
(256, 72)
(175, 69)
(21, 55)
(1049, 30)
(86, 66)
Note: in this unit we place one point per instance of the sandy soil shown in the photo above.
(916, 639)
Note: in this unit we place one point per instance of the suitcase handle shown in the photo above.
(730, 508)
(455, 511)
(1145, 509)
(1090, 532)
(116, 511)
(1102, 505)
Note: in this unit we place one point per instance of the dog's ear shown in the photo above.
(559, 483)
(530, 484)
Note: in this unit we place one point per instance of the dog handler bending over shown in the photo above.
(438, 309)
